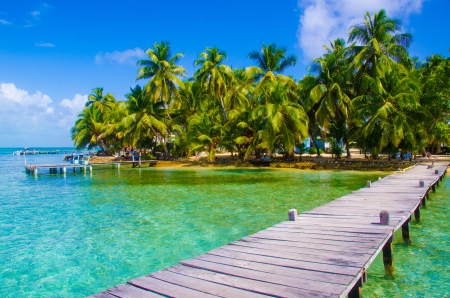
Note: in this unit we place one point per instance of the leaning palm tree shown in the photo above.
(162, 71)
(100, 102)
(214, 75)
(145, 119)
(88, 128)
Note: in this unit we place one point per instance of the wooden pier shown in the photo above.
(53, 168)
(324, 252)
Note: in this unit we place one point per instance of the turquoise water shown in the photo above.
(77, 235)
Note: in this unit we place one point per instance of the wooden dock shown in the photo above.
(324, 252)
(53, 168)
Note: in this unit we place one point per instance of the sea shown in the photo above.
(78, 234)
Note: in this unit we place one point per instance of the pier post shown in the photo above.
(421, 183)
(118, 166)
(74, 169)
(405, 232)
(423, 203)
(433, 187)
(384, 218)
(292, 214)
(428, 194)
(84, 170)
(64, 170)
(356, 292)
(388, 259)
(368, 184)
(90, 169)
(417, 213)
(35, 171)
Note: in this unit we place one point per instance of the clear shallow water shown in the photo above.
(77, 235)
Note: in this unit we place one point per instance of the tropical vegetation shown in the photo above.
(366, 92)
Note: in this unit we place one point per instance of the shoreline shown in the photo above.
(322, 163)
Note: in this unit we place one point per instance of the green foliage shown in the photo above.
(369, 93)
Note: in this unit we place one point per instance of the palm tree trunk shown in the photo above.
(223, 109)
(315, 145)
(347, 147)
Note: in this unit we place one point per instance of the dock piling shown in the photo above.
(421, 183)
(292, 214)
(417, 213)
(405, 232)
(388, 259)
(368, 184)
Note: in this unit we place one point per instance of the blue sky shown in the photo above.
(53, 53)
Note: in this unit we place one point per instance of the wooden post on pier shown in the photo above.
(405, 231)
(433, 187)
(388, 259)
(356, 292)
(384, 218)
(292, 215)
(417, 213)
(368, 184)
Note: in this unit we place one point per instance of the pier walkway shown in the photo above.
(324, 252)
(53, 168)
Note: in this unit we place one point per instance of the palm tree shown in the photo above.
(204, 133)
(145, 119)
(284, 123)
(162, 70)
(100, 102)
(87, 129)
(390, 111)
(213, 74)
(329, 97)
(271, 62)
(380, 46)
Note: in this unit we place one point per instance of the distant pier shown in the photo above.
(53, 168)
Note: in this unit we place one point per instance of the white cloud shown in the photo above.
(125, 57)
(325, 20)
(76, 104)
(35, 117)
(4, 22)
(44, 44)
(12, 96)
(35, 13)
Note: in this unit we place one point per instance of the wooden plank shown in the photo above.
(302, 250)
(326, 232)
(335, 248)
(129, 291)
(204, 286)
(277, 258)
(227, 258)
(307, 236)
(165, 288)
(102, 295)
(330, 259)
(245, 284)
(283, 280)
